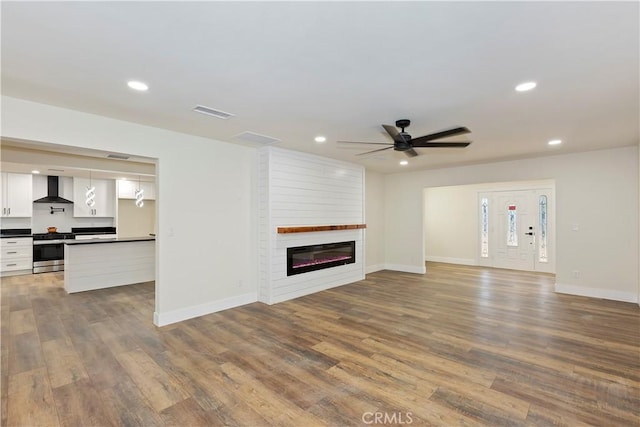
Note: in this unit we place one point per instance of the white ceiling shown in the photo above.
(293, 70)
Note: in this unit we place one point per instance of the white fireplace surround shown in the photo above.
(299, 189)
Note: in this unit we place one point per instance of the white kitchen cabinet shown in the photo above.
(105, 198)
(127, 189)
(17, 191)
(16, 255)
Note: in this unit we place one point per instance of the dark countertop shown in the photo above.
(93, 230)
(118, 240)
(10, 233)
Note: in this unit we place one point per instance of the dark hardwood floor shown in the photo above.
(457, 346)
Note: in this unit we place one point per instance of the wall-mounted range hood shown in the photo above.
(52, 192)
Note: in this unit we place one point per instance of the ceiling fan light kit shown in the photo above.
(403, 142)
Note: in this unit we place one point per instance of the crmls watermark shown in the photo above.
(387, 418)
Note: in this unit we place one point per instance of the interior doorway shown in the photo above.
(503, 225)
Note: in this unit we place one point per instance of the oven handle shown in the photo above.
(47, 242)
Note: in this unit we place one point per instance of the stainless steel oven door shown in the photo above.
(48, 256)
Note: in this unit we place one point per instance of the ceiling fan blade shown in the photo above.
(461, 130)
(367, 143)
(369, 152)
(392, 131)
(410, 152)
(439, 144)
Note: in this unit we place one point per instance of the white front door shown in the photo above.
(514, 223)
(516, 230)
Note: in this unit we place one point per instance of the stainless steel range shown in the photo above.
(48, 251)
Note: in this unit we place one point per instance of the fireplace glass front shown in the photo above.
(303, 259)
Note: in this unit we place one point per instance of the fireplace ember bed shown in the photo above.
(303, 259)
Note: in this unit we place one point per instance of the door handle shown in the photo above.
(529, 233)
(8, 211)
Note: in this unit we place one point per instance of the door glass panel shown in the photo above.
(484, 232)
(542, 238)
(512, 232)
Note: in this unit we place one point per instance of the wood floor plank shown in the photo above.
(22, 321)
(30, 401)
(118, 340)
(275, 409)
(457, 346)
(209, 388)
(160, 389)
(129, 404)
(189, 413)
(25, 352)
(80, 404)
(63, 363)
(49, 326)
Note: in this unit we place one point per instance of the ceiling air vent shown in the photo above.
(118, 156)
(211, 112)
(256, 138)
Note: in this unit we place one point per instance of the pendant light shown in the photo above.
(90, 194)
(139, 195)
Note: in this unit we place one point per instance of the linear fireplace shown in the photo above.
(303, 259)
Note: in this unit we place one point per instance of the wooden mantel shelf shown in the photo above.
(312, 228)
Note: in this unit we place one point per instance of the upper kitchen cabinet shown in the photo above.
(127, 189)
(105, 199)
(17, 191)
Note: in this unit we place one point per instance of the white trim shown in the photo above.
(162, 319)
(406, 268)
(373, 268)
(596, 293)
(302, 292)
(450, 260)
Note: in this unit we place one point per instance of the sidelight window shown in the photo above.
(512, 231)
(484, 231)
(542, 237)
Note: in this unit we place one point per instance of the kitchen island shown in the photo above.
(104, 263)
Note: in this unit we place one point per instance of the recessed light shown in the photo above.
(320, 139)
(36, 172)
(555, 142)
(404, 162)
(523, 87)
(137, 85)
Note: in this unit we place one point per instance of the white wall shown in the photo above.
(451, 224)
(63, 221)
(205, 210)
(134, 221)
(596, 190)
(374, 213)
(298, 189)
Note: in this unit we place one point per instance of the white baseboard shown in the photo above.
(450, 260)
(596, 293)
(373, 268)
(16, 273)
(406, 268)
(174, 316)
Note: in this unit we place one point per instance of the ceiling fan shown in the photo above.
(402, 141)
